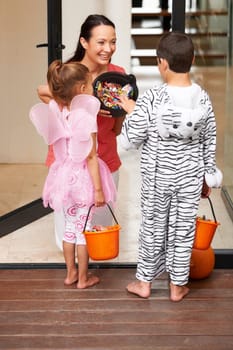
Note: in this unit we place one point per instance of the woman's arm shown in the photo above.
(118, 125)
(44, 93)
(93, 167)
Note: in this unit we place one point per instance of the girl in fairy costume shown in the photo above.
(77, 178)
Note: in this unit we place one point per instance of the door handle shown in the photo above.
(41, 45)
(59, 46)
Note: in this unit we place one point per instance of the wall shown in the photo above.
(23, 24)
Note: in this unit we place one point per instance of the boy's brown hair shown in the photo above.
(178, 50)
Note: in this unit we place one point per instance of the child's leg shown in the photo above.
(69, 245)
(69, 255)
(177, 293)
(85, 279)
(140, 288)
(75, 219)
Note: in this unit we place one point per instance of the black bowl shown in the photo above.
(108, 86)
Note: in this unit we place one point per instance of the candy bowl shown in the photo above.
(109, 86)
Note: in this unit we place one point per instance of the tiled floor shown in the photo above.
(35, 243)
(20, 184)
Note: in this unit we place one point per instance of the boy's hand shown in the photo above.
(206, 190)
(127, 104)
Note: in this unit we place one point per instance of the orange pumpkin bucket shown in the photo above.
(104, 244)
(202, 263)
(205, 230)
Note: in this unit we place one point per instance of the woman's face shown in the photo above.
(101, 45)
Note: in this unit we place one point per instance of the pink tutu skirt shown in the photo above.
(69, 183)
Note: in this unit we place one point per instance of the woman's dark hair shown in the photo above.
(177, 48)
(91, 22)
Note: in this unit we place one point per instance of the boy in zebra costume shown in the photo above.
(175, 124)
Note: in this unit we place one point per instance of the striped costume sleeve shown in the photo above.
(136, 125)
(213, 175)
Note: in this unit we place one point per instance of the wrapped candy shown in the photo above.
(108, 93)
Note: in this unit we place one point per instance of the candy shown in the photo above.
(97, 228)
(109, 93)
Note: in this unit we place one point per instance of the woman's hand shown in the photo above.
(104, 113)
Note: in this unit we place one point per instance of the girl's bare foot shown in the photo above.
(140, 288)
(177, 293)
(90, 281)
(71, 278)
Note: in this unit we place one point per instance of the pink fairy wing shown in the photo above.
(84, 109)
(88, 103)
(46, 121)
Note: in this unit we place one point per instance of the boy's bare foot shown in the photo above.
(140, 288)
(91, 281)
(71, 278)
(177, 293)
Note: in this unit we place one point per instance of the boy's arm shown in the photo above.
(135, 126)
(127, 104)
(213, 175)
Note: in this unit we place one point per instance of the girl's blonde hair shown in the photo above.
(63, 79)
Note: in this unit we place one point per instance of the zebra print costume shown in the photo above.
(177, 131)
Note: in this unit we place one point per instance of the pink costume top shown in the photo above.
(69, 131)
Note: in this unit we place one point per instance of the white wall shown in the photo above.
(73, 15)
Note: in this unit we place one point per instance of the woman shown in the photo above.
(96, 45)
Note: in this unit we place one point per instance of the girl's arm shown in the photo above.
(44, 93)
(93, 167)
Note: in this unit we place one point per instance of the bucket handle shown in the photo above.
(88, 213)
(212, 209)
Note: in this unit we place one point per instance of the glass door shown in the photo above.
(209, 22)
(31, 38)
